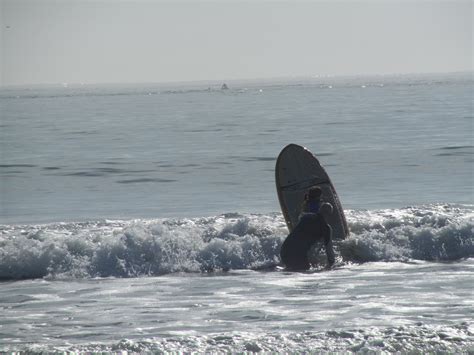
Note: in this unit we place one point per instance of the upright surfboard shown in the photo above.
(297, 169)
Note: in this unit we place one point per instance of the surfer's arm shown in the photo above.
(328, 246)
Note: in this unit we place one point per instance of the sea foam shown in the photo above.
(225, 242)
(420, 338)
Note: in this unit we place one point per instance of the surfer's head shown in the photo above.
(326, 208)
(314, 194)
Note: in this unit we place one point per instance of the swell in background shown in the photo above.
(150, 151)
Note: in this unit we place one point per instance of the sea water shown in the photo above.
(145, 218)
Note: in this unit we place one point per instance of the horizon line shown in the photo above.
(218, 81)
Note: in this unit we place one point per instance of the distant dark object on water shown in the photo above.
(224, 87)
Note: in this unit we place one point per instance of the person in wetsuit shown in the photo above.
(312, 200)
(311, 228)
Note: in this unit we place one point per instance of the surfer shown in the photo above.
(311, 228)
(311, 201)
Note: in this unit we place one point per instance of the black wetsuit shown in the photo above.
(311, 228)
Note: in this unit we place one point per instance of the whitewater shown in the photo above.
(144, 217)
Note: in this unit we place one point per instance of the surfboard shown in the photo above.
(296, 170)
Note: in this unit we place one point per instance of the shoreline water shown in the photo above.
(368, 307)
(188, 175)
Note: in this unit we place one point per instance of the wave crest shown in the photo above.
(432, 233)
(225, 242)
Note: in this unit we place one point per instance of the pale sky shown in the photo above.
(107, 41)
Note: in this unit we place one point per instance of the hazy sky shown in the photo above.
(104, 41)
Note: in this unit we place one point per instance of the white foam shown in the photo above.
(416, 338)
(224, 242)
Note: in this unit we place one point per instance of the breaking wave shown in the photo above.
(229, 241)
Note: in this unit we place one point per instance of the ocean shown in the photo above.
(144, 217)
